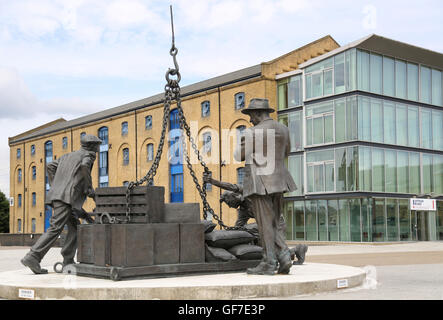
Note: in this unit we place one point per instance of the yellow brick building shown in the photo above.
(129, 135)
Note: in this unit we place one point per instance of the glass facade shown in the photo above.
(290, 92)
(357, 220)
(393, 129)
(397, 78)
(363, 168)
(294, 121)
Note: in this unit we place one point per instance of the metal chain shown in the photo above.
(153, 170)
(172, 92)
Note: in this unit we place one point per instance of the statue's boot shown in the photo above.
(68, 262)
(33, 264)
(300, 253)
(285, 263)
(263, 268)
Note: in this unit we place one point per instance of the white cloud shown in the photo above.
(18, 102)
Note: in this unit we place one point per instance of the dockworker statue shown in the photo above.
(264, 148)
(70, 183)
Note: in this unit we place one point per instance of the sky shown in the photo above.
(69, 58)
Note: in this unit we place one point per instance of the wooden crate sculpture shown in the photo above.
(161, 239)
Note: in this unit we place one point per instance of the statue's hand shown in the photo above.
(91, 194)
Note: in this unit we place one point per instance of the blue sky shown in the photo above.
(67, 58)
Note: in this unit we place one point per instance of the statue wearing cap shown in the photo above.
(70, 181)
(264, 148)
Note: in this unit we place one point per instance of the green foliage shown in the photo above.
(4, 213)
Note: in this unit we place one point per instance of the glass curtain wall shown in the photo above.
(384, 121)
(294, 121)
(397, 78)
(356, 220)
(295, 167)
(363, 168)
(333, 75)
(290, 92)
(332, 121)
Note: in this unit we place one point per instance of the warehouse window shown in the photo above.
(125, 156)
(65, 142)
(207, 142)
(103, 167)
(19, 225)
(19, 175)
(33, 225)
(124, 128)
(148, 122)
(19, 153)
(240, 175)
(206, 108)
(32, 150)
(34, 173)
(239, 100)
(19, 200)
(34, 199)
(150, 152)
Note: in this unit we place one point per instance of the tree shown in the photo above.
(4, 213)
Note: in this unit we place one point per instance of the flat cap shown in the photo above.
(89, 139)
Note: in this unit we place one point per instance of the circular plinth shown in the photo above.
(303, 279)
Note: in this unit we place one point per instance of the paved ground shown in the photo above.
(395, 271)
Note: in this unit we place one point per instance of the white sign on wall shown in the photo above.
(423, 204)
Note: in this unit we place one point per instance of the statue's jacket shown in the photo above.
(70, 178)
(258, 179)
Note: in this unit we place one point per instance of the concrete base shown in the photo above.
(304, 279)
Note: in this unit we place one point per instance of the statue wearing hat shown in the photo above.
(264, 148)
(70, 181)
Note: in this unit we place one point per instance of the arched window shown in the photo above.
(239, 100)
(48, 151)
(148, 122)
(206, 109)
(82, 134)
(239, 132)
(207, 142)
(125, 183)
(19, 153)
(19, 175)
(103, 135)
(125, 156)
(150, 152)
(34, 173)
(19, 225)
(19, 200)
(124, 128)
(34, 199)
(32, 150)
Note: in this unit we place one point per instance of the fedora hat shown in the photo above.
(258, 104)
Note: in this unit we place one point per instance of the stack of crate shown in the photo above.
(159, 233)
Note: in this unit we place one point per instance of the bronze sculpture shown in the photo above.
(70, 181)
(264, 148)
(233, 197)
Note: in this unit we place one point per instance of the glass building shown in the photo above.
(366, 130)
